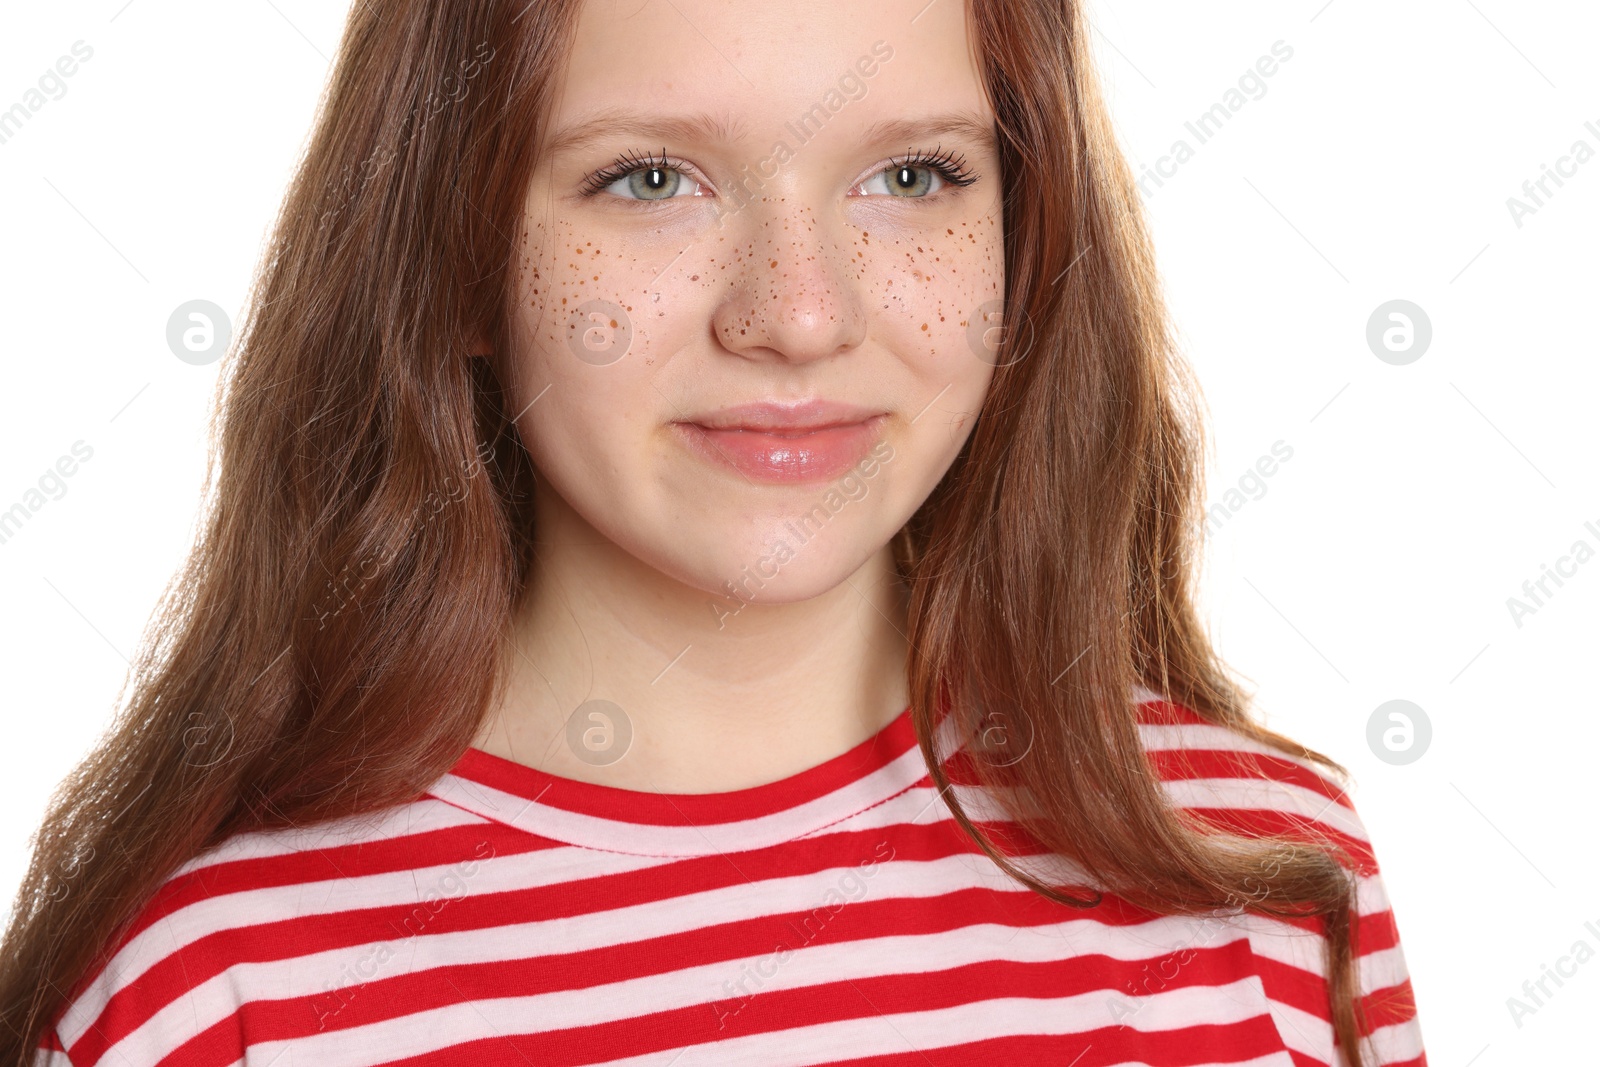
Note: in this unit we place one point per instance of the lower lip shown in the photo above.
(808, 457)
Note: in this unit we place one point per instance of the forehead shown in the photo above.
(747, 72)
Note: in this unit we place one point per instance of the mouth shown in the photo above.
(791, 453)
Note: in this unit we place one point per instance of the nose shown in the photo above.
(798, 298)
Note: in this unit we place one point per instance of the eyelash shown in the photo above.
(952, 168)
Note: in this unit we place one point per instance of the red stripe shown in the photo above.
(691, 809)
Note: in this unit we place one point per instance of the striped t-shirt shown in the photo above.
(838, 916)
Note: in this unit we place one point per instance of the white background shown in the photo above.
(1377, 565)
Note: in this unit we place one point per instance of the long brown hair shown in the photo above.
(332, 644)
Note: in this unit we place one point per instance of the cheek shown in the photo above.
(573, 371)
(595, 302)
(597, 322)
(934, 298)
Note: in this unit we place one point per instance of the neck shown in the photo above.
(718, 693)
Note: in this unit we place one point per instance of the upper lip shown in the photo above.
(785, 417)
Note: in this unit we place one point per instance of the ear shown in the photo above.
(478, 345)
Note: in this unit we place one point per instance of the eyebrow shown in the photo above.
(720, 128)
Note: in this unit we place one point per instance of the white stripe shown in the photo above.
(1371, 896)
(388, 824)
(1169, 737)
(1263, 794)
(1398, 1042)
(1382, 969)
(644, 839)
(1143, 695)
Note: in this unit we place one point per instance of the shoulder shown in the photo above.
(1235, 782)
(174, 974)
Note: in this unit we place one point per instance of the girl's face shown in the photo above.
(752, 217)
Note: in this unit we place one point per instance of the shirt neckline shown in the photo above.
(639, 822)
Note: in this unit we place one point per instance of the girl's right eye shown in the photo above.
(643, 179)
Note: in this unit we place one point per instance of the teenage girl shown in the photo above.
(701, 571)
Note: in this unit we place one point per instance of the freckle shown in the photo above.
(694, 277)
(924, 327)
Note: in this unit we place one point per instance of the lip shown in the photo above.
(776, 417)
(811, 441)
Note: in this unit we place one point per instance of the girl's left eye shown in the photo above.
(919, 175)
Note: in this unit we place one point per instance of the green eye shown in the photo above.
(653, 183)
(633, 178)
(919, 175)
